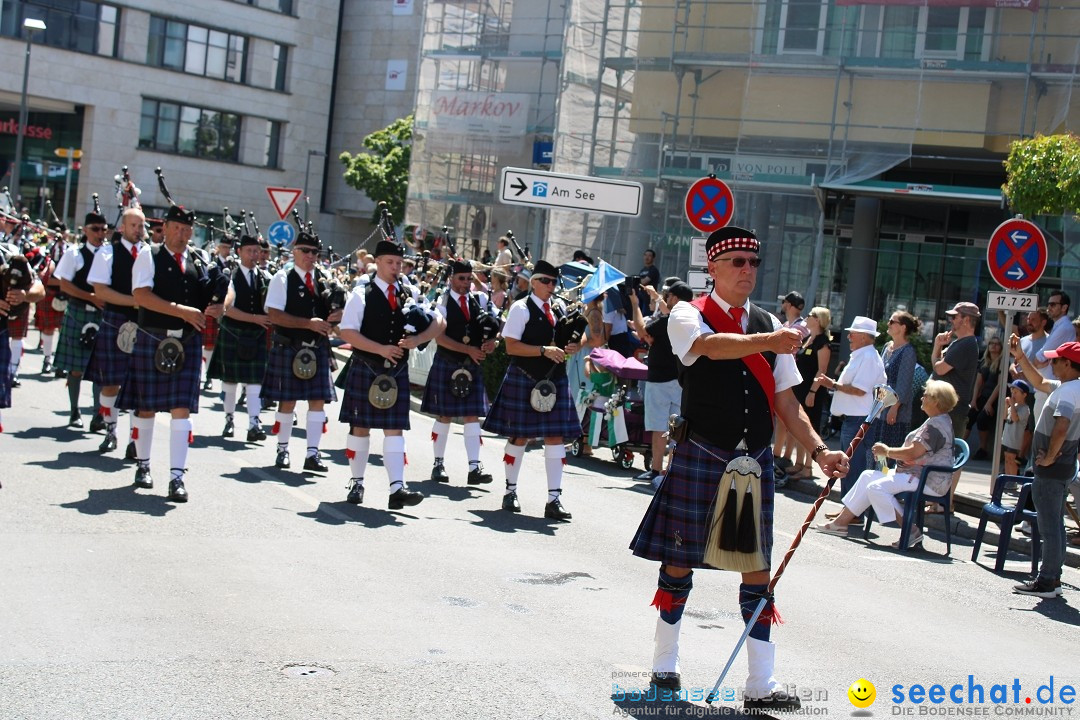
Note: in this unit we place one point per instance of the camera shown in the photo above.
(633, 283)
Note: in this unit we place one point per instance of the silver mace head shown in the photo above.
(884, 397)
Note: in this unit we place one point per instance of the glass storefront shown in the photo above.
(43, 175)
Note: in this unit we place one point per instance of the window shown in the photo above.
(279, 70)
(196, 49)
(273, 144)
(935, 32)
(79, 25)
(188, 130)
(802, 26)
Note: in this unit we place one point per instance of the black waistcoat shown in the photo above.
(457, 328)
(300, 302)
(79, 280)
(381, 324)
(663, 366)
(538, 331)
(249, 298)
(187, 288)
(122, 263)
(723, 402)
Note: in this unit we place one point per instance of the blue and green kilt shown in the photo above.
(108, 364)
(280, 384)
(357, 410)
(439, 401)
(71, 355)
(5, 376)
(226, 363)
(512, 416)
(150, 390)
(676, 525)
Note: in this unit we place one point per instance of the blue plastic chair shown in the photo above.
(1006, 517)
(915, 500)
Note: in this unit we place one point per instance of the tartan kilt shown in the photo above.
(108, 364)
(512, 416)
(5, 377)
(19, 323)
(150, 390)
(210, 333)
(70, 353)
(357, 411)
(280, 384)
(226, 363)
(675, 528)
(46, 319)
(439, 401)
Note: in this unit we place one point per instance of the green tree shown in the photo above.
(1044, 175)
(383, 172)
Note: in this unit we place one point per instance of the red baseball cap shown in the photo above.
(1069, 351)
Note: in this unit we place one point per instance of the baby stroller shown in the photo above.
(613, 413)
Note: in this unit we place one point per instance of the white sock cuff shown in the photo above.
(141, 423)
(357, 443)
(472, 429)
(394, 444)
(180, 424)
(554, 451)
(440, 428)
(316, 416)
(514, 451)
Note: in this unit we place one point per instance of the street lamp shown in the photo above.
(30, 25)
(307, 171)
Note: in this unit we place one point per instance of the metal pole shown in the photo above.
(1003, 387)
(21, 130)
(307, 171)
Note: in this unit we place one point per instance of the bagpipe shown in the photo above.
(127, 195)
(16, 273)
(334, 293)
(215, 281)
(26, 229)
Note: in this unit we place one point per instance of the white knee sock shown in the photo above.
(108, 412)
(440, 431)
(553, 463)
(142, 432)
(16, 355)
(472, 443)
(179, 435)
(513, 456)
(230, 397)
(356, 450)
(283, 429)
(315, 420)
(393, 457)
(47, 342)
(254, 404)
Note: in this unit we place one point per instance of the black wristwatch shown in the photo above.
(817, 451)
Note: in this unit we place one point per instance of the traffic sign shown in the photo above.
(1016, 254)
(283, 199)
(1017, 302)
(699, 280)
(698, 257)
(709, 204)
(280, 233)
(570, 192)
(65, 152)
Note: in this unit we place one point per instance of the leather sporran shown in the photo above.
(543, 396)
(169, 356)
(305, 363)
(461, 383)
(88, 335)
(383, 393)
(125, 337)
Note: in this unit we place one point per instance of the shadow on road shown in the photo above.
(121, 499)
(342, 513)
(431, 488)
(502, 521)
(91, 459)
(270, 474)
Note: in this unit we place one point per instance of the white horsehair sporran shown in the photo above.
(305, 363)
(734, 541)
(383, 393)
(543, 396)
(125, 337)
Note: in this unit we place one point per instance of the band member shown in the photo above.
(220, 261)
(377, 386)
(739, 370)
(156, 226)
(298, 367)
(173, 291)
(534, 399)
(82, 318)
(19, 292)
(111, 277)
(47, 316)
(241, 351)
(455, 383)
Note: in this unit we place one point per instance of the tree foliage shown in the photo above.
(383, 172)
(1044, 175)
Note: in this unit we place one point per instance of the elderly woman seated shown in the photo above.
(929, 444)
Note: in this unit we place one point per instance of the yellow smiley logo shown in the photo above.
(862, 693)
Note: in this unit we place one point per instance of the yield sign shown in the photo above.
(1016, 254)
(283, 199)
(709, 204)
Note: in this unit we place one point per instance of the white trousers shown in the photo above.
(877, 490)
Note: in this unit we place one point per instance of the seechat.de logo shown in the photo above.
(862, 693)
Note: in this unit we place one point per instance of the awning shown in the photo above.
(919, 192)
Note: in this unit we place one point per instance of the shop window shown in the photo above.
(189, 130)
(196, 50)
(80, 25)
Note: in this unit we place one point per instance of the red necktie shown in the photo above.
(310, 285)
(180, 260)
(737, 314)
(464, 307)
(134, 251)
(547, 311)
(391, 298)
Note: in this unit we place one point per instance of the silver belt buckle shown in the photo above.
(175, 333)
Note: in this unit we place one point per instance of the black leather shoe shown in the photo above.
(142, 477)
(477, 476)
(666, 681)
(282, 460)
(510, 502)
(208, 385)
(230, 428)
(438, 472)
(356, 492)
(177, 491)
(255, 434)
(647, 476)
(16, 383)
(130, 454)
(97, 423)
(404, 497)
(779, 700)
(61, 373)
(314, 464)
(46, 367)
(555, 511)
(109, 443)
(75, 421)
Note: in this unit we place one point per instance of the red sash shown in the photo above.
(720, 321)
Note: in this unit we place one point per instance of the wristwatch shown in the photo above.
(817, 451)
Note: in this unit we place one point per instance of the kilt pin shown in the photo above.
(438, 400)
(71, 354)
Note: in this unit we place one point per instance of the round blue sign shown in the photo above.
(280, 233)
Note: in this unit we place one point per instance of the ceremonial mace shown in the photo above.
(884, 397)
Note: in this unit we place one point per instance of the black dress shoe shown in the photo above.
(356, 492)
(208, 385)
(438, 472)
(555, 511)
(779, 700)
(404, 497)
(130, 453)
(510, 502)
(97, 423)
(46, 367)
(230, 428)
(255, 434)
(177, 491)
(282, 460)
(61, 373)
(16, 383)
(109, 443)
(75, 420)
(666, 681)
(142, 477)
(477, 476)
(314, 464)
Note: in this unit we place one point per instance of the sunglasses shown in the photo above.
(741, 262)
(894, 322)
(1052, 304)
(545, 280)
(96, 228)
(307, 251)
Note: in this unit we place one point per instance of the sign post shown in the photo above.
(1016, 257)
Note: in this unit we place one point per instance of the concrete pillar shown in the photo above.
(860, 271)
(644, 157)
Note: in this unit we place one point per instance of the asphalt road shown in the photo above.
(117, 604)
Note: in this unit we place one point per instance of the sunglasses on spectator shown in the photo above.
(741, 262)
(545, 280)
(96, 228)
(308, 251)
(1052, 303)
